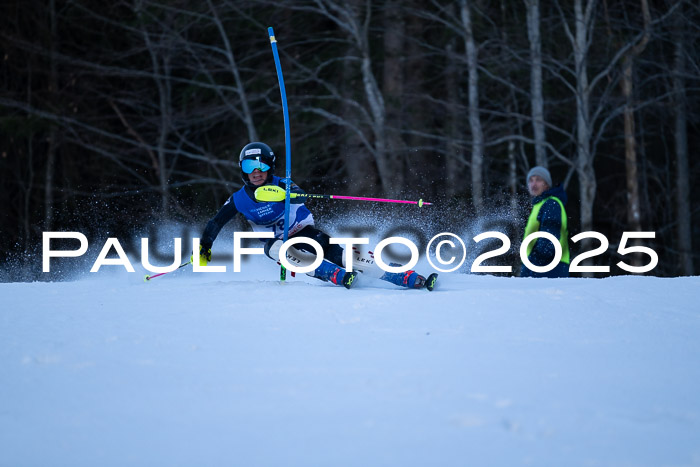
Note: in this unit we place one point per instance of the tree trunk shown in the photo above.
(26, 213)
(512, 179)
(416, 71)
(684, 235)
(477, 158)
(359, 163)
(53, 134)
(162, 158)
(240, 90)
(353, 17)
(160, 76)
(584, 158)
(377, 110)
(375, 100)
(392, 87)
(454, 163)
(634, 216)
(536, 97)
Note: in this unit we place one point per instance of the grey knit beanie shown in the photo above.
(540, 171)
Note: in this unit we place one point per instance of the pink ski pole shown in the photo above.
(273, 193)
(148, 277)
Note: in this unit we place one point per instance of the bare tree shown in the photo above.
(477, 157)
(634, 216)
(536, 97)
(455, 161)
(53, 133)
(227, 51)
(580, 40)
(584, 89)
(684, 216)
(357, 158)
(393, 86)
(160, 55)
(353, 18)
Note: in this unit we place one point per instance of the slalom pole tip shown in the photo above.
(146, 278)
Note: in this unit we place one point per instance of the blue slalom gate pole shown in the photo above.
(287, 141)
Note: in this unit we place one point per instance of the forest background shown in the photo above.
(129, 114)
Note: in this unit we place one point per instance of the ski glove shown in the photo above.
(204, 256)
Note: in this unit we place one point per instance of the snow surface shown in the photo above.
(239, 369)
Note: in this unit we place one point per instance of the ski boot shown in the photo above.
(428, 283)
(410, 279)
(331, 272)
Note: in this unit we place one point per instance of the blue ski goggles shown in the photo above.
(249, 165)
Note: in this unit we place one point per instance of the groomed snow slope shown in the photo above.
(233, 369)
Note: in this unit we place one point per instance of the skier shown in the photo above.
(548, 215)
(257, 163)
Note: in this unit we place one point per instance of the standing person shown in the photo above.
(257, 163)
(548, 215)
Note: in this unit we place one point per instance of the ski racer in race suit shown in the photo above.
(257, 163)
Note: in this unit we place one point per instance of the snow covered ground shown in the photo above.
(238, 369)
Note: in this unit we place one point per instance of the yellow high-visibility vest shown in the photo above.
(533, 225)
